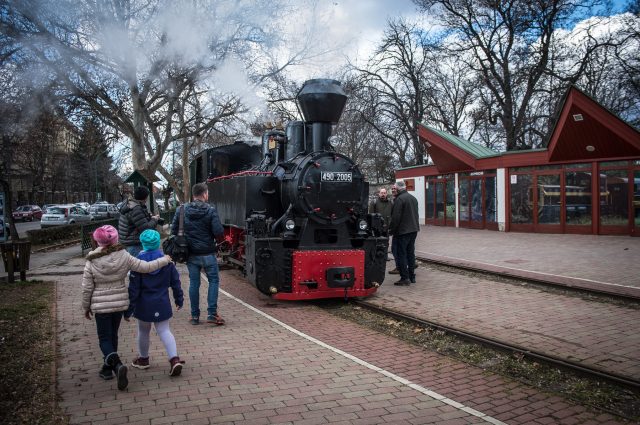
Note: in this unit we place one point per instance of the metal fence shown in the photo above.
(87, 229)
(168, 217)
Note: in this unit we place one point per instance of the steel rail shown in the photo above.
(556, 285)
(564, 364)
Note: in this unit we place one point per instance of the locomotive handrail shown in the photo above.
(244, 173)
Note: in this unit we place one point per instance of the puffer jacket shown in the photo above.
(405, 216)
(149, 293)
(201, 226)
(103, 286)
(134, 219)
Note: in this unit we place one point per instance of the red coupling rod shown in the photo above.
(317, 209)
(318, 165)
(244, 173)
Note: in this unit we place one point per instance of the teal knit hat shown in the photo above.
(150, 240)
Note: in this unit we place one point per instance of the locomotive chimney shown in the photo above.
(322, 102)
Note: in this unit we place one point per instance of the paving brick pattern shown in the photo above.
(596, 334)
(581, 260)
(254, 371)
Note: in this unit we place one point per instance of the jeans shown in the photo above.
(394, 250)
(407, 254)
(108, 325)
(134, 250)
(209, 263)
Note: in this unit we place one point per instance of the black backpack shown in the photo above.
(176, 246)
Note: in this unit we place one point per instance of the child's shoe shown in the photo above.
(176, 366)
(215, 319)
(141, 363)
(113, 361)
(105, 372)
(194, 320)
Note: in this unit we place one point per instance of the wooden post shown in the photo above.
(10, 263)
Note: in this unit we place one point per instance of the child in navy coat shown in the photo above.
(149, 302)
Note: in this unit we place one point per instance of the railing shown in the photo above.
(87, 230)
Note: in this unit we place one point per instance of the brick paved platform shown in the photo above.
(304, 366)
(608, 263)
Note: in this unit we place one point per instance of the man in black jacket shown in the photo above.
(404, 226)
(201, 226)
(135, 219)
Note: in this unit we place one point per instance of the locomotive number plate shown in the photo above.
(336, 177)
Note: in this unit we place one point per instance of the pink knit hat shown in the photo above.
(105, 235)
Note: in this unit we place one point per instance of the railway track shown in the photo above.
(541, 282)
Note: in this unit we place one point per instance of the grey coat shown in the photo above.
(134, 219)
(405, 218)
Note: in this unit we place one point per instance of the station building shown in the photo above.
(586, 181)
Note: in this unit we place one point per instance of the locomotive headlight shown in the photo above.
(290, 224)
(362, 225)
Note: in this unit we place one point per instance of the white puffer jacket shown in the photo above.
(103, 284)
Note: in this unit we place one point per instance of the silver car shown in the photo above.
(64, 214)
(104, 211)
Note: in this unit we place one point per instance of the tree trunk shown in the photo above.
(137, 139)
(186, 185)
(8, 210)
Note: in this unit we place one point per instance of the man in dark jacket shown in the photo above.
(201, 226)
(135, 219)
(383, 206)
(404, 226)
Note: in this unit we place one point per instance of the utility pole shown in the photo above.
(95, 166)
(173, 154)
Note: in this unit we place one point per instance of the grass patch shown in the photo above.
(25, 349)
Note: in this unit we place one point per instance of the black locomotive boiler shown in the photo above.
(294, 210)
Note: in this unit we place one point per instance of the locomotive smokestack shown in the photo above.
(322, 102)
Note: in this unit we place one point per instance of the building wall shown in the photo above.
(418, 193)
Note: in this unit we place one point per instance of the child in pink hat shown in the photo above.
(105, 294)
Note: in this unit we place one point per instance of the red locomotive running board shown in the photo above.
(309, 275)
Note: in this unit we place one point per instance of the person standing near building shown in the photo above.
(383, 206)
(404, 226)
(201, 226)
(135, 219)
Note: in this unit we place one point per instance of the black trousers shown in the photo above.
(406, 254)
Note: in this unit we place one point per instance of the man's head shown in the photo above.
(400, 185)
(383, 194)
(394, 191)
(141, 193)
(200, 192)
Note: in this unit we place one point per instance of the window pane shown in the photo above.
(636, 197)
(491, 171)
(477, 173)
(448, 176)
(464, 175)
(490, 199)
(572, 166)
(614, 164)
(549, 199)
(578, 198)
(476, 200)
(516, 169)
(636, 162)
(429, 177)
(430, 201)
(614, 198)
(548, 167)
(440, 200)
(522, 199)
(451, 200)
(463, 198)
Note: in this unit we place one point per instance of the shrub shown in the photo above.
(44, 236)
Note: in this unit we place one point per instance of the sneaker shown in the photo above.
(215, 319)
(412, 280)
(176, 366)
(415, 266)
(195, 321)
(121, 376)
(394, 271)
(141, 363)
(402, 282)
(105, 372)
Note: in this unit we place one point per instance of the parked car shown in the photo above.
(101, 203)
(103, 212)
(84, 205)
(65, 214)
(27, 212)
(45, 206)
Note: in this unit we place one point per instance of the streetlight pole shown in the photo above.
(95, 166)
(173, 154)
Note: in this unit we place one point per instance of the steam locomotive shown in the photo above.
(294, 211)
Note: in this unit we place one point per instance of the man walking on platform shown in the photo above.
(201, 226)
(135, 219)
(404, 227)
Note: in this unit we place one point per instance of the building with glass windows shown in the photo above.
(586, 181)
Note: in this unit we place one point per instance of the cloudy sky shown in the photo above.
(360, 24)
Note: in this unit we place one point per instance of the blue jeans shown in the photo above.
(394, 250)
(134, 250)
(407, 254)
(108, 325)
(209, 263)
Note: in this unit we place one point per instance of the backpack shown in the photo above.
(176, 246)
